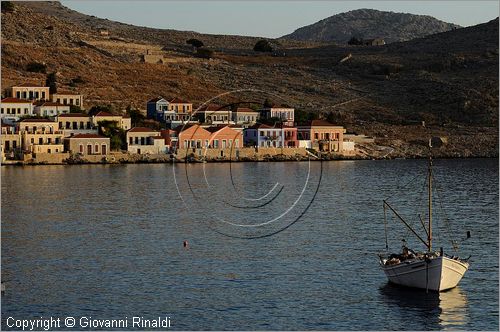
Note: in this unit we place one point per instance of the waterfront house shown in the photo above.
(41, 136)
(214, 114)
(143, 140)
(87, 144)
(123, 122)
(224, 137)
(285, 114)
(170, 137)
(30, 91)
(193, 136)
(10, 142)
(68, 98)
(13, 108)
(289, 134)
(245, 116)
(324, 136)
(76, 123)
(262, 135)
(51, 109)
(174, 111)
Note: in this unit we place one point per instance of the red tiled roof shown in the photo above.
(211, 108)
(87, 136)
(72, 115)
(245, 110)
(260, 126)
(320, 123)
(142, 129)
(104, 113)
(16, 100)
(177, 100)
(49, 103)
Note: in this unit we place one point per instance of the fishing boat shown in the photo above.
(430, 270)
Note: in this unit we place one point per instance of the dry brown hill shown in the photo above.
(448, 80)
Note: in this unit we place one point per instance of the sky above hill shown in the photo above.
(269, 18)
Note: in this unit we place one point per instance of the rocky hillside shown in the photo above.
(449, 80)
(370, 23)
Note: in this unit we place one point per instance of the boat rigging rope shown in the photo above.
(446, 220)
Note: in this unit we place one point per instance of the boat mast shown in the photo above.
(429, 235)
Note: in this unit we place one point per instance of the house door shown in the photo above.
(89, 149)
(103, 149)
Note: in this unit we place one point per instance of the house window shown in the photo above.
(2, 110)
(130, 140)
(49, 140)
(43, 95)
(65, 101)
(216, 143)
(206, 143)
(57, 150)
(81, 148)
(77, 102)
(96, 148)
(32, 140)
(236, 142)
(40, 140)
(49, 151)
(82, 126)
(230, 143)
(223, 143)
(186, 144)
(18, 94)
(136, 140)
(37, 94)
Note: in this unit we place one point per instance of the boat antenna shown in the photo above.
(429, 235)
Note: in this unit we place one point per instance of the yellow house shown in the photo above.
(123, 122)
(87, 144)
(41, 136)
(68, 98)
(11, 141)
(74, 121)
(30, 91)
(143, 140)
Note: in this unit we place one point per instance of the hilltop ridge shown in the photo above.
(370, 23)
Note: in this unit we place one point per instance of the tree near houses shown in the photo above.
(263, 46)
(51, 82)
(117, 135)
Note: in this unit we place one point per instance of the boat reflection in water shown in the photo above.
(439, 311)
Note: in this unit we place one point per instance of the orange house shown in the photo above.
(224, 137)
(218, 137)
(323, 135)
(193, 136)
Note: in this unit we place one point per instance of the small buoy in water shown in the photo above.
(186, 244)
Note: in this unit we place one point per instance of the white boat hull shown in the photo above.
(439, 274)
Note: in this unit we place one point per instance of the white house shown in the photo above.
(48, 108)
(262, 135)
(13, 108)
(285, 114)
